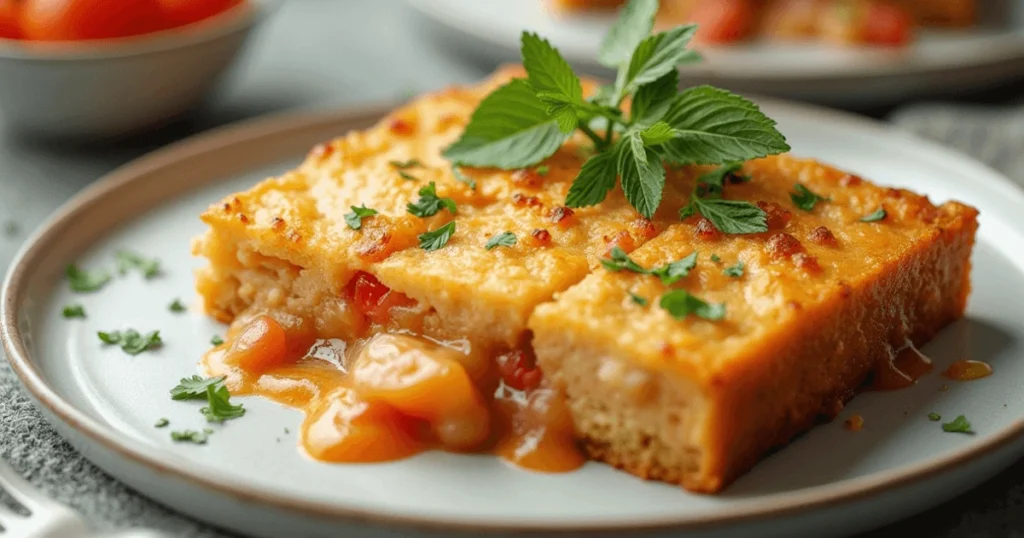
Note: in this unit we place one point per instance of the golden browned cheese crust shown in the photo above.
(823, 297)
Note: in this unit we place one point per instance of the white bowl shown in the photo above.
(108, 88)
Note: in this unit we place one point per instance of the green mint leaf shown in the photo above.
(402, 165)
(73, 311)
(216, 340)
(732, 216)
(510, 129)
(438, 238)
(220, 408)
(83, 281)
(126, 261)
(504, 239)
(934, 417)
(603, 96)
(657, 134)
(161, 423)
(354, 219)
(565, 117)
(635, 22)
(112, 337)
(958, 425)
(638, 299)
(429, 203)
(735, 271)
(715, 127)
(655, 56)
(673, 272)
(547, 71)
(189, 436)
(194, 388)
(620, 261)
(653, 100)
(461, 177)
(177, 306)
(878, 215)
(680, 304)
(805, 199)
(642, 181)
(596, 177)
(712, 184)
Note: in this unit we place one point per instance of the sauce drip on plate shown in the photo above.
(968, 370)
(902, 371)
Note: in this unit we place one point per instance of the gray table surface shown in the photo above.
(325, 53)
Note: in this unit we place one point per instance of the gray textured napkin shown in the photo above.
(995, 136)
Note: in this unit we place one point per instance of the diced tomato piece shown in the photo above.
(887, 24)
(519, 369)
(723, 21)
(373, 299)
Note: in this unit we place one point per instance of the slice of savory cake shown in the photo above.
(444, 284)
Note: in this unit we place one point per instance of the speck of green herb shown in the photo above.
(194, 388)
(461, 177)
(669, 273)
(438, 238)
(287, 431)
(83, 281)
(161, 423)
(504, 239)
(354, 219)
(958, 425)
(127, 260)
(73, 311)
(11, 228)
(804, 198)
(430, 203)
(402, 165)
(407, 176)
(189, 436)
(878, 215)
(542, 170)
(216, 340)
(680, 304)
(638, 299)
(934, 417)
(177, 306)
(219, 406)
(734, 271)
(207, 431)
(715, 258)
(131, 341)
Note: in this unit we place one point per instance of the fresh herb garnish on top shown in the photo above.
(734, 271)
(680, 304)
(83, 281)
(504, 239)
(637, 299)
(665, 126)
(131, 341)
(430, 203)
(194, 388)
(804, 198)
(878, 215)
(403, 165)
(354, 219)
(126, 261)
(728, 216)
(461, 177)
(669, 273)
(438, 238)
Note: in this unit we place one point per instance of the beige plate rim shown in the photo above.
(36, 247)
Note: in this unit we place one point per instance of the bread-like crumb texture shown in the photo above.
(823, 299)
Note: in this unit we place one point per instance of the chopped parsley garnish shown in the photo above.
(131, 341)
(958, 425)
(734, 271)
(177, 306)
(805, 199)
(680, 304)
(402, 165)
(638, 299)
(220, 408)
(407, 176)
(194, 388)
(664, 126)
(190, 436)
(83, 281)
(216, 340)
(429, 203)
(728, 216)
(542, 170)
(874, 217)
(669, 273)
(934, 417)
(73, 311)
(438, 238)
(504, 239)
(715, 258)
(462, 177)
(354, 219)
(161, 423)
(11, 228)
(126, 261)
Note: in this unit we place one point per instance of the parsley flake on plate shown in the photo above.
(957, 425)
(878, 215)
(680, 304)
(934, 417)
(430, 203)
(189, 436)
(194, 388)
(161, 423)
(83, 281)
(177, 306)
(216, 340)
(438, 238)
(354, 219)
(73, 311)
(127, 261)
(504, 239)
(131, 341)
(805, 199)
(219, 406)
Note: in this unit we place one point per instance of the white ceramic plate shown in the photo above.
(940, 61)
(251, 477)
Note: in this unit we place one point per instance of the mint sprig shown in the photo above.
(525, 121)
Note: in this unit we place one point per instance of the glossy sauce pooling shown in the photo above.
(390, 396)
(902, 371)
(968, 370)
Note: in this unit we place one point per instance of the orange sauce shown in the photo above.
(855, 423)
(968, 370)
(902, 371)
(393, 395)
